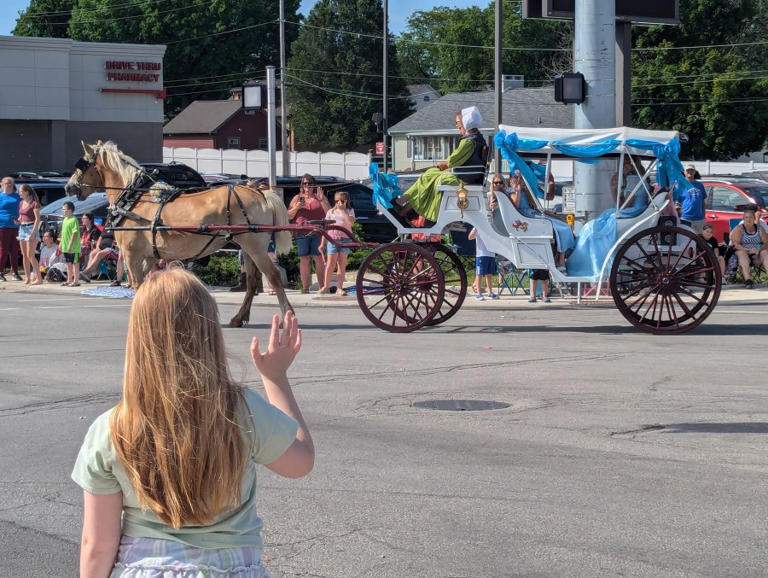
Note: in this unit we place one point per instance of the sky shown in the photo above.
(399, 10)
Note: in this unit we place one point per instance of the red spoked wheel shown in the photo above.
(400, 287)
(665, 280)
(454, 278)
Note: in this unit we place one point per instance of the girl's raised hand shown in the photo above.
(283, 346)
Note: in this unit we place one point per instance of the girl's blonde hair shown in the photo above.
(344, 195)
(175, 430)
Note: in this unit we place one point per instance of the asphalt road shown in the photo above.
(620, 454)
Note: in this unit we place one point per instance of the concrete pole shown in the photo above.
(271, 121)
(283, 114)
(498, 78)
(385, 86)
(594, 55)
(624, 73)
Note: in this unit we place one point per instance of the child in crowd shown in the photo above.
(169, 473)
(708, 232)
(485, 267)
(70, 243)
(343, 215)
(539, 276)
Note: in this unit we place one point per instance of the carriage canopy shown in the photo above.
(588, 145)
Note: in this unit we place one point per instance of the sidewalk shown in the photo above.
(224, 296)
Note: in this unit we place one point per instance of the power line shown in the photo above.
(222, 33)
(74, 20)
(100, 9)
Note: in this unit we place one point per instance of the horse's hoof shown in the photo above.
(236, 323)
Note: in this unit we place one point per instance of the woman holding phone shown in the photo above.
(310, 204)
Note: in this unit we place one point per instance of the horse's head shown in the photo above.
(87, 177)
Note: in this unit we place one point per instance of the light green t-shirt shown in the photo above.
(98, 471)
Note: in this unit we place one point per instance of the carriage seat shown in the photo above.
(519, 225)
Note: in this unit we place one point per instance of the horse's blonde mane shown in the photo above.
(119, 162)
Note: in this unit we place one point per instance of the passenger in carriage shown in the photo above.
(521, 197)
(468, 162)
(633, 202)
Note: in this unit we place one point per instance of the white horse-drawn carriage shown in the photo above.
(662, 276)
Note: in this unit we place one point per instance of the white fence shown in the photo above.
(255, 163)
(355, 165)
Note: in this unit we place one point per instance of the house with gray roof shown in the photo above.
(421, 95)
(429, 135)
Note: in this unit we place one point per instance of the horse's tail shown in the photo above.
(283, 239)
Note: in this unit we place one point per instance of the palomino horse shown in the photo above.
(104, 167)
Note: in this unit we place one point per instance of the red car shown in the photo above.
(727, 198)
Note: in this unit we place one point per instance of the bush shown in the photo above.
(220, 270)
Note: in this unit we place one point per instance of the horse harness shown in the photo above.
(130, 197)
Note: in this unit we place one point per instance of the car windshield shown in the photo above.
(93, 202)
(758, 192)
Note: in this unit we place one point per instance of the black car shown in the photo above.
(376, 227)
(47, 191)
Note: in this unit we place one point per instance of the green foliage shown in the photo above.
(46, 18)
(197, 62)
(220, 270)
(708, 93)
(336, 82)
(452, 48)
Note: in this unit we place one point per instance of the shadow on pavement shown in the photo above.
(735, 427)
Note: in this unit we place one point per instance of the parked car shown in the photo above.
(726, 199)
(48, 191)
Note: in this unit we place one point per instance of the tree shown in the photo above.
(715, 94)
(335, 76)
(46, 18)
(452, 48)
(212, 45)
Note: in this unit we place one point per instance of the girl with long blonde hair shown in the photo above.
(176, 458)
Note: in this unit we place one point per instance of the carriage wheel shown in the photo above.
(455, 280)
(665, 280)
(400, 287)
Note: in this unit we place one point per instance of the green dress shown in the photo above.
(423, 194)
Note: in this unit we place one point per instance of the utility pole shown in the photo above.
(594, 55)
(283, 115)
(385, 84)
(271, 117)
(498, 78)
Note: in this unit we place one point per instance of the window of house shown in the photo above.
(428, 148)
(233, 142)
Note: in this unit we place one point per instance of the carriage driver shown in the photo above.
(468, 162)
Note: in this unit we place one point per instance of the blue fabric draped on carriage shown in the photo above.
(385, 187)
(587, 145)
